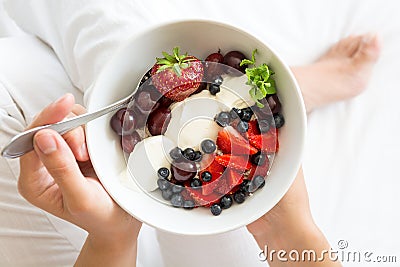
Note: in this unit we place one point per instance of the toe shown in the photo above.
(346, 47)
(368, 50)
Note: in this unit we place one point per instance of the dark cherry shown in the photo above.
(164, 102)
(155, 95)
(274, 103)
(117, 120)
(215, 57)
(129, 142)
(158, 121)
(213, 68)
(183, 170)
(144, 102)
(233, 59)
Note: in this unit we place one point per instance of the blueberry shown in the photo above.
(198, 156)
(195, 183)
(208, 146)
(177, 200)
(167, 194)
(206, 176)
(163, 173)
(176, 188)
(189, 153)
(223, 119)
(242, 126)
(163, 184)
(245, 186)
(258, 158)
(176, 153)
(214, 89)
(218, 80)
(216, 209)
(264, 125)
(246, 114)
(188, 204)
(235, 113)
(257, 183)
(239, 197)
(226, 202)
(279, 120)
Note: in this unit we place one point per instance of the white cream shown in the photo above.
(192, 120)
(234, 93)
(148, 156)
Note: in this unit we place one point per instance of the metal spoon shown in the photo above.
(23, 142)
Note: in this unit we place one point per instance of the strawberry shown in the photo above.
(229, 141)
(253, 129)
(208, 188)
(230, 180)
(267, 142)
(234, 178)
(177, 76)
(239, 163)
(201, 199)
(216, 171)
(223, 187)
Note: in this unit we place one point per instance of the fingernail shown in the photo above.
(62, 98)
(368, 37)
(46, 143)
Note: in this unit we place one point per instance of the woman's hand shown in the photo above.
(58, 177)
(290, 226)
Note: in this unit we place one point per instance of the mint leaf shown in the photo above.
(248, 61)
(260, 79)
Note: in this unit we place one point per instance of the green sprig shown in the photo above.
(260, 79)
(176, 62)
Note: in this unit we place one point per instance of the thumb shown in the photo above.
(61, 164)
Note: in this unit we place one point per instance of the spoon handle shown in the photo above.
(23, 142)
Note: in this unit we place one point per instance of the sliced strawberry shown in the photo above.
(267, 142)
(253, 129)
(259, 170)
(234, 178)
(228, 181)
(216, 171)
(201, 199)
(239, 163)
(208, 188)
(229, 141)
(223, 186)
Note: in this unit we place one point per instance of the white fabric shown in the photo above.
(352, 149)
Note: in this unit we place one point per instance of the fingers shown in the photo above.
(76, 138)
(54, 112)
(30, 164)
(60, 163)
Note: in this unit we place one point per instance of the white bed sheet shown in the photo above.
(352, 154)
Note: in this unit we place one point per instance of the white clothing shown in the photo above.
(355, 200)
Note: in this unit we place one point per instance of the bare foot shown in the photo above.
(341, 73)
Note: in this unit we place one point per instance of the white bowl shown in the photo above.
(120, 76)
